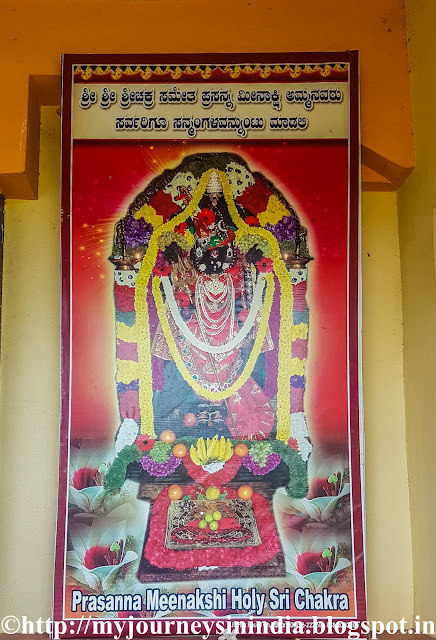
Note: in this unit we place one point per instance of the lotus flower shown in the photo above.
(87, 498)
(87, 472)
(99, 555)
(315, 562)
(327, 503)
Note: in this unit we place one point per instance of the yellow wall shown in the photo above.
(389, 567)
(30, 400)
(29, 392)
(415, 208)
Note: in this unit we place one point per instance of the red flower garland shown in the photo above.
(255, 198)
(164, 206)
(159, 556)
(124, 298)
(226, 474)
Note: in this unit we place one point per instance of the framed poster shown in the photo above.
(210, 470)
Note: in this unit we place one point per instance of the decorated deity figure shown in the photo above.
(211, 312)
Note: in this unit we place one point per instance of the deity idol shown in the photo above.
(211, 314)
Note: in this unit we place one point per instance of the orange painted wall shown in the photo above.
(35, 34)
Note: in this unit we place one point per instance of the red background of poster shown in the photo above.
(313, 175)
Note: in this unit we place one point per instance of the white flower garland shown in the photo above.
(298, 275)
(126, 278)
(300, 433)
(239, 178)
(203, 346)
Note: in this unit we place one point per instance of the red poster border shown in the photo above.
(355, 417)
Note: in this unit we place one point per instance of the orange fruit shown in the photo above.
(179, 450)
(245, 492)
(175, 492)
(241, 449)
(167, 436)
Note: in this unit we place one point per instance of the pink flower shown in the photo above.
(99, 556)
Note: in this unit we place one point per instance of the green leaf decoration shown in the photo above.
(333, 478)
(298, 485)
(116, 475)
(327, 553)
(114, 547)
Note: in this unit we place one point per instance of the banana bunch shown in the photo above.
(213, 450)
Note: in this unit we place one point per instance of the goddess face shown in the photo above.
(209, 260)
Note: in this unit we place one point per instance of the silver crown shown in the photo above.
(214, 184)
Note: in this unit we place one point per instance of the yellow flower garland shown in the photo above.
(127, 371)
(298, 366)
(286, 304)
(126, 333)
(273, 213)
(149, 214)
(299, 331)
